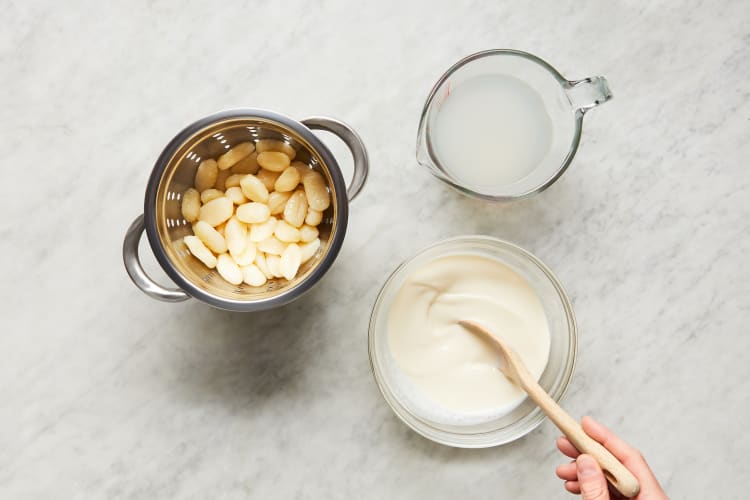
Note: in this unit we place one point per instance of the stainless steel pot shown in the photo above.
(174, 172)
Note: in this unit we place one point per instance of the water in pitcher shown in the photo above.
(492, 130)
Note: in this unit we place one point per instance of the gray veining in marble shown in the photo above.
(105, 393)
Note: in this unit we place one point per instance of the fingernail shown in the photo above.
(586, 465)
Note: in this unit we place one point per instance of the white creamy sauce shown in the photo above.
(491, 131)
(452, 369)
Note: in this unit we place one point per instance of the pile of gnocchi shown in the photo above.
(255, 212)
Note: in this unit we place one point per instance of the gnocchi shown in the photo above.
(253, 276)
(273, 161)
(286, 232)
(313, 217)
(235, 233)
(216, 211)
(290, 261)
(247, 256)
(236, 195)
(235, 154)
(191, 204)
(268, 178)
(273, 262)
(254, 189)
(228, 269)
(200, 251)
(259, 232)
(205, 176)
(254, 213)
(308, 233)
(233, 180)
(210, 237)
(316, 191)
(247, 165)
(210, 194)
(272, 246)
(221, 179)
(308, 250)
(264, 145)
(260, 261)
(287, 181)
(277, 201)
(295, 209)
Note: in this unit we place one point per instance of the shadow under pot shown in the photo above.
(174, 173)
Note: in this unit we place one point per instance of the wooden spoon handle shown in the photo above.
(616, 473)
(621, 478)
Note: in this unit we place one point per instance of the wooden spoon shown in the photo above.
(513, 368)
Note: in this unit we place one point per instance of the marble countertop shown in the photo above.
(106, 393)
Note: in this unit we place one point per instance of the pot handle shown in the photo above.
(353, 141)
(136, 272)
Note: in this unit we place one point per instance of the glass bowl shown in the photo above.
(555, 378)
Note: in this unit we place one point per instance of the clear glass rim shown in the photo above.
(481, 439)
(422, 135)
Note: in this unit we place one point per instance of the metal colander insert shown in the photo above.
(178, 175)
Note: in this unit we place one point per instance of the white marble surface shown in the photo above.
(105, 393)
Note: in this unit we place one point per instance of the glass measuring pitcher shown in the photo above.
(504, 124)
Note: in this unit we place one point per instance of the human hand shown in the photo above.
(584, 476)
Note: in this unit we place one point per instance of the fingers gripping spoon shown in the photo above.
(513, 368)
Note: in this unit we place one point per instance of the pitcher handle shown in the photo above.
(135, 269)
(353, 141)
(588, 93)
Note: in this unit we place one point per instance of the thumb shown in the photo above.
(591, 479)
